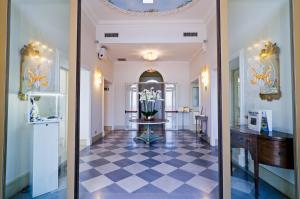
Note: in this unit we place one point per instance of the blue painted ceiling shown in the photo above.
(156, 6)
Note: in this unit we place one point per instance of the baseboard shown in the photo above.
(17, 185)
(119, 127)
(96, 138)
(84, 143)
(282, 185)
(108, 128)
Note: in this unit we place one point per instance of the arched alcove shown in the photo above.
(149, 79)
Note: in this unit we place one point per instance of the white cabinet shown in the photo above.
(44, 176)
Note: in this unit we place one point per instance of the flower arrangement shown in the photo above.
(148, 98)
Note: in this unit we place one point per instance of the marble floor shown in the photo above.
(178, 166)
(243, 187)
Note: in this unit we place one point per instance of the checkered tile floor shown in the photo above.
(121, 167)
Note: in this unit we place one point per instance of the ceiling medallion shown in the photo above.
(158, 7)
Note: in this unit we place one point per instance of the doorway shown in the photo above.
(108, 106)
(226, 165)
(178, 163)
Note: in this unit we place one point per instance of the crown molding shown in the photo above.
(211, 14)
(89, 13)
(197, 53)
(142, 22)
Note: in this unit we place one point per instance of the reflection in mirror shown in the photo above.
(262, 125)
(36, 142)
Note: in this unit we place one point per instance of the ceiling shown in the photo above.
(100, 11)
(150, 6)
(166, 52)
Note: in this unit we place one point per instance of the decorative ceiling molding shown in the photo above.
(158, 13)
(142, 22)
(211, 14)
(89, 13)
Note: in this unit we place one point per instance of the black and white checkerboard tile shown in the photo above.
(177, 166)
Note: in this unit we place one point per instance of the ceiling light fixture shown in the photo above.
(150, 56)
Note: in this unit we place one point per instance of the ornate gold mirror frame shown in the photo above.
(26, 52)
(269, 57)
(264, 69)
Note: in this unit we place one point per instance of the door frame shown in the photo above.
(3, 97)
(223, 99)
(296, 62)
(73, 93)
(223, 62)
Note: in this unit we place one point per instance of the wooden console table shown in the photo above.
(274, 149)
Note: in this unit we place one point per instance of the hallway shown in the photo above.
(177, 167)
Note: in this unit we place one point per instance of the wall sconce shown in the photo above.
(205, 78)
(98, 79)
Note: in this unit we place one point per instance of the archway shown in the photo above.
(153, 79)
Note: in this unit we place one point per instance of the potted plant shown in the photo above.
(148, 98)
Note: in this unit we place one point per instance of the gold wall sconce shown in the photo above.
(98, 79)
(205, 77)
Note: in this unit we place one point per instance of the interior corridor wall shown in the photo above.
(129, 72)
(209, 96)
(90, 61)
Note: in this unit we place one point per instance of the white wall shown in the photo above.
(90, 61)
(277, 30)
(208, 97)
(129, 72)
(29, 22)
(151, 32)
(271, 21)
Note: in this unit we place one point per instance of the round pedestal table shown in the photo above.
(148, 137)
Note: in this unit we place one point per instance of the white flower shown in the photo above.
(150, 95)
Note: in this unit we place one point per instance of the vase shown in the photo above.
(149, 117)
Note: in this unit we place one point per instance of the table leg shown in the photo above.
(201, 127)
(256, 174)
(148, 133)
(231, 161)
(148, 137)
(246, 160)
(182, 121)
(196, 128)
